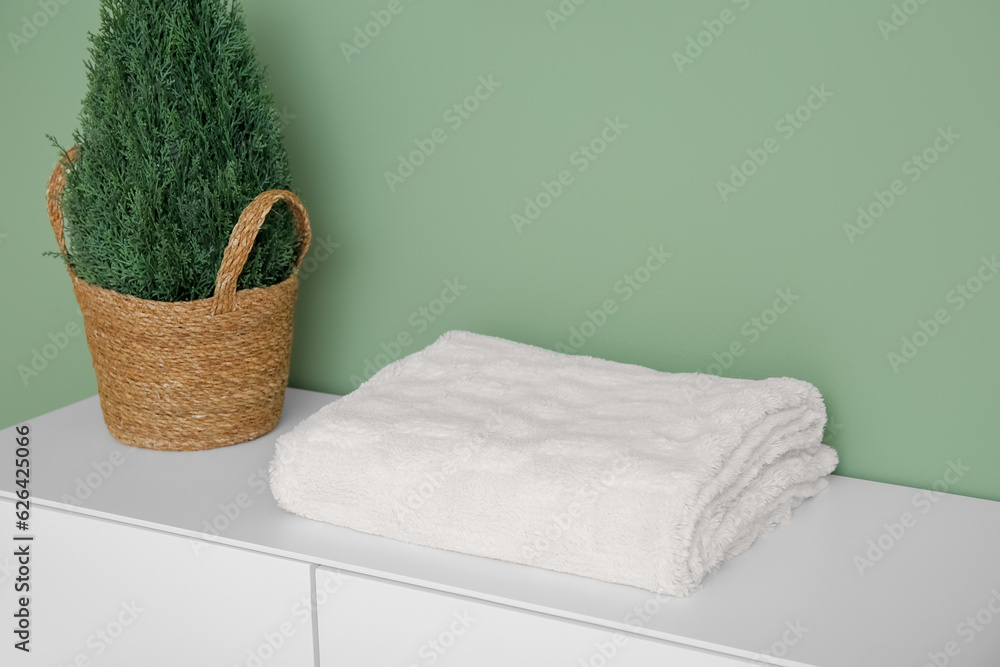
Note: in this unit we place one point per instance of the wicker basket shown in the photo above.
(192, 375)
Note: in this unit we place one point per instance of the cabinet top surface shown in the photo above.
(864, 574)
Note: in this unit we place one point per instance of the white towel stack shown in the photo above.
(575, 464)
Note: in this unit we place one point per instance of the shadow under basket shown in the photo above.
(192, 375)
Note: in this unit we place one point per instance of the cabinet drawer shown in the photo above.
(110, 594)
(364, 622)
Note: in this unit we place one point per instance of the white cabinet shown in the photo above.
(121, 582)
(108, 594)
(364, 622)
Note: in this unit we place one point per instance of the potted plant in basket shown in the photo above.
(185, 274)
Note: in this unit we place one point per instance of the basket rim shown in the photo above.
(236, 252)
(206, 302)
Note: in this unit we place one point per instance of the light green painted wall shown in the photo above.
(654, 186)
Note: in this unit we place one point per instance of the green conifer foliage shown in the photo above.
(178, 133)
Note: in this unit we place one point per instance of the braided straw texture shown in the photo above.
(192, 375)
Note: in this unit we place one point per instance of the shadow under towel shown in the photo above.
(616, 472)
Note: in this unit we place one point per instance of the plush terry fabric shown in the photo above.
(606, 470)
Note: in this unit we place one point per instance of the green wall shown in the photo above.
(786, 236)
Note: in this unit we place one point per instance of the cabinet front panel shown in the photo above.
(109, 594)
(365, 622)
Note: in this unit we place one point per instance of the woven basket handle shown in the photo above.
(242, 239)
(55, 187)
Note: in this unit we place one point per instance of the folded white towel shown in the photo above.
(607, 470)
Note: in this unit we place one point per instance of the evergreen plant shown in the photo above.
(178, 133)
